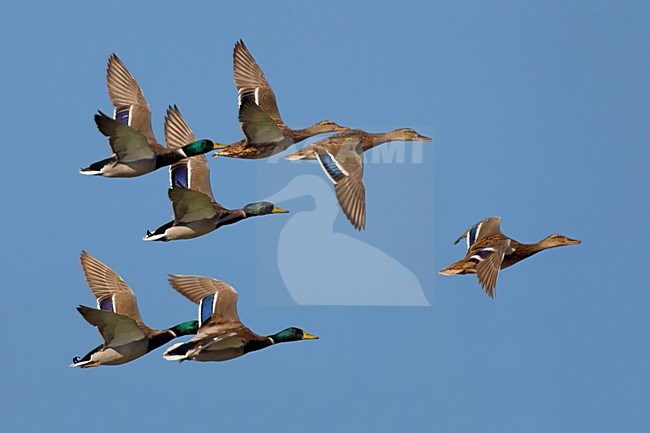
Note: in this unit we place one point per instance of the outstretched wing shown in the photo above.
(489, 260)
(131, 107)
(344, 167)
(128, 144)
(256, 125)
(217, 300)
(190, 205)
(192, 173)
(110, 290)
(115, 329)
(481, 230)
(249, 79)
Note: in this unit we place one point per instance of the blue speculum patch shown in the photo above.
(206, 308)
(122, 115)
(106, 304)
(331, 167)
(179, 177)
(472, 234)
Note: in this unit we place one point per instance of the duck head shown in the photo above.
(327, 126)
(262, 208)
(407, 134)
(200, 147)
(292, 334)
(558, 240)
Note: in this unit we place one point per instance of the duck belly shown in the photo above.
(178, 232)
(129, 169)
(217, 355)
(117, 355)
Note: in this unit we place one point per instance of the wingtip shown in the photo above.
(82, 309)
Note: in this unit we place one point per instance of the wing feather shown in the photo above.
(190, 205)
(488, 268)
(107, 285)
(249, 79)
(116, 329)
(192, 173)
(196, 288)
(127, 98)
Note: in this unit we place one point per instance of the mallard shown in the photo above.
(118, 320)
(135, 149)
(195, 210)
(266, 134)
(221, 335)
(341, 158)
(489, 250)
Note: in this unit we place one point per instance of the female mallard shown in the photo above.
(135, 149)
(118, 320)
(195, 210)
(221, 336)
(341, 157)
(489, 250)
(259, 117)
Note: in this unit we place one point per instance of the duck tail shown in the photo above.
(295, 156)
(95, 169)
(76, 362)
(87, 360)
(159, 234)
(179, 351)
(456, 268)
(154, 236)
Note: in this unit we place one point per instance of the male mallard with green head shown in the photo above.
(489, 250)
(196, 212)
(118, 320)
(265, 132)
(341, 158)
(221, 335)
(135, 149)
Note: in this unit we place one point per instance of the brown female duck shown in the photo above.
(266, 134)
(341, 158)
(489, 250)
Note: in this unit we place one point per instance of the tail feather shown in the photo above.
(95, 169)
(179, 351)
(159, 234)
(295, 156)
(84, 364)
(449, 271)
(460, 267)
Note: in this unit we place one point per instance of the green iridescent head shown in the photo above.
(292, 334)
(262, 208)
(200, 147)
(185, 328)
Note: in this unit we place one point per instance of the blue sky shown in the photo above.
(539, 114)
